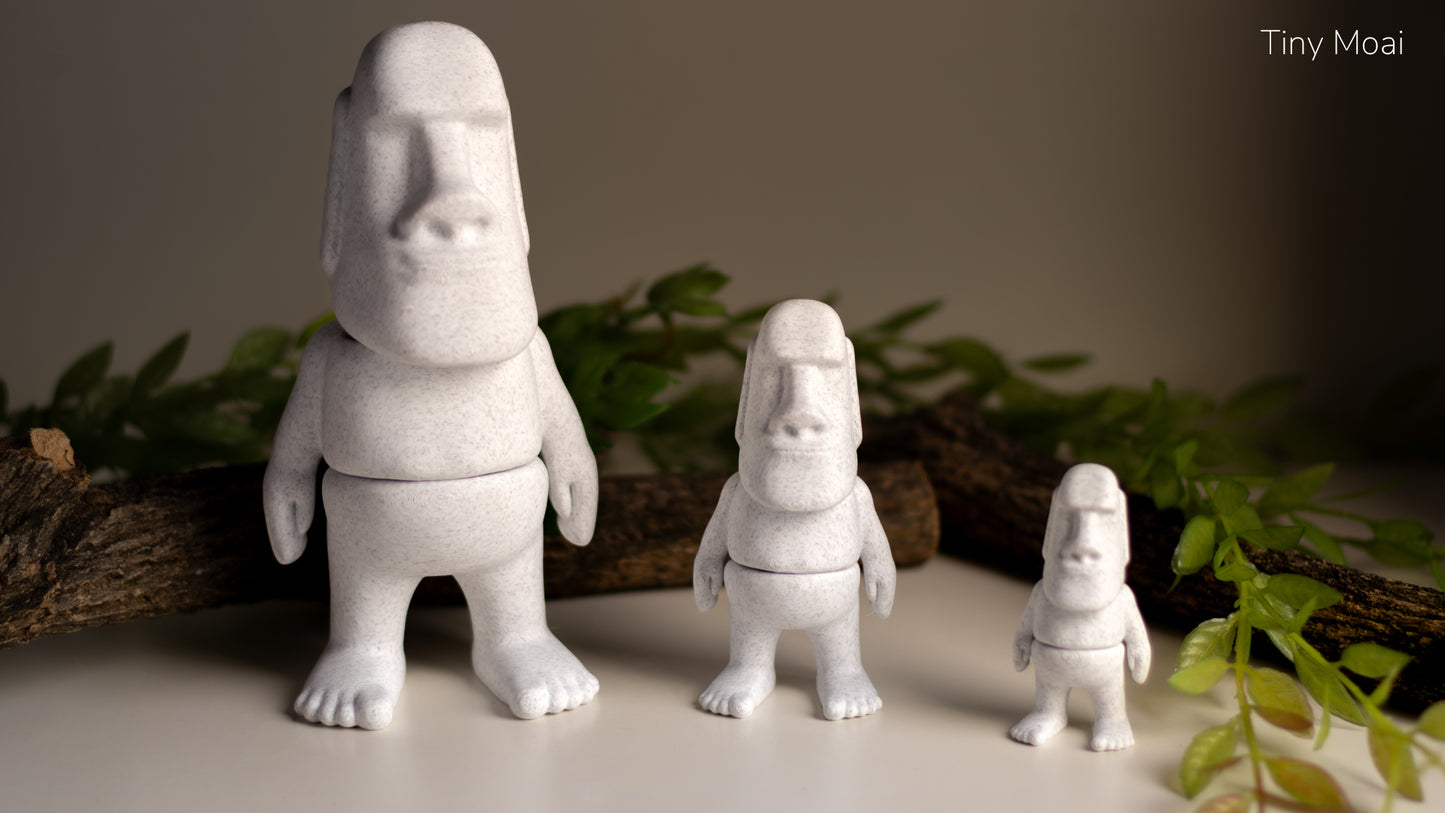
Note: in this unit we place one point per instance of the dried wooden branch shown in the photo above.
(74, 554)
(993, 496)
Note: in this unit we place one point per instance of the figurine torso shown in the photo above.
(793, 541)
(385, 419)
(1093, 629)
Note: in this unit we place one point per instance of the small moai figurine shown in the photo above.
(433, 393)
(1082, 624)
(795, 521)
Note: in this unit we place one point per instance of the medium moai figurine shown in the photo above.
(433, 393)
(793, 524)
(1082, 625)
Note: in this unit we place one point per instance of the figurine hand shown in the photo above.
(290, 503)
(880, 589)
(706, 583)
(1022, 648)
(574, 495)
(1139, 663)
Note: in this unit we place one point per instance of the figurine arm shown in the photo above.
(880, 576)
(1136, 638)
(571, 468)
(1024, 635)
(712, 554)
(288, 489)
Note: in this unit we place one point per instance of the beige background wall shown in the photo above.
(1135, 179)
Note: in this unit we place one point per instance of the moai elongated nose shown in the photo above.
(800, 414)
(447, 208)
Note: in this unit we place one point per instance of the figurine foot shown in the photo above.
(534, 677)
(1038, 727)
(350, 688)
(1112, 734)
(738, 690)
(847, 694)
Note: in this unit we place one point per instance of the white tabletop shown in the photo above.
(191, 713)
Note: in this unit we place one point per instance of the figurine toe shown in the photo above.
(738, 690)
(849, 694)
(1112, 735)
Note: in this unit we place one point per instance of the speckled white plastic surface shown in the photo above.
(1082, 624)
(433, 393)
(792, 526)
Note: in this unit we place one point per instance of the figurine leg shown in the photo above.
(358, 678)
(1052, 679)
(750, 674)
(843, 687)
(1105, 686)
(513, 651)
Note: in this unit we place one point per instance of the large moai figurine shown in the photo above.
(1082, 625)
(793, 524)
(433, 393)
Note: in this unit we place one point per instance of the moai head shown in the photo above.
(424, 239)
(798, 425)
(1086, 543)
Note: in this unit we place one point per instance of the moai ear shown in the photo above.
(1055, 527)
(743, 396)
(336, 168)
(857, 410)
(517, 191)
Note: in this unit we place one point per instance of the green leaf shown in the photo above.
(1184, 457)
(1307, 782)
(1278, 699)
(1263, 398)
(1296, 591)
(1205, 756)
(1229, 496)
(260, 349)
(1432, 721)
(1372, 660)
(1057, 363)
(971, 356)
(1294, 491)
(1391, 754)
(1196, 546)
(1236, 572)
(1164, 485)
(1200, 677)
(1214, 637)
(159, 368)
(689, 291)
(1280, 537)
(896, 322)
(1243, 519)
(1325, 543)
(1228, 803)
(1327, 690)
(214, 427)
(85, 373)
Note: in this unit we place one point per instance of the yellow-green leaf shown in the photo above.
(1279, 700)
(1390, 752)
(1432, 722)
(1327, 690)
(1205, 757)
(1196, 546)
(1213, 637)
(1372, 660)
(1198, 678)
(1307, 782)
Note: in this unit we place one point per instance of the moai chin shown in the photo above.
(433, 393)
(792, 525)
(1082, 625)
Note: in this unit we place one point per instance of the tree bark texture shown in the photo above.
(993, 497)
(75, 555)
